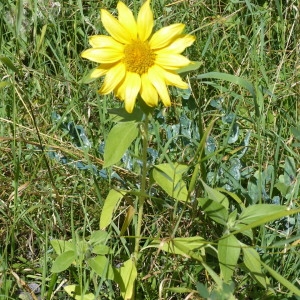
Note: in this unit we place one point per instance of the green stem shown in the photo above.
(142, 195)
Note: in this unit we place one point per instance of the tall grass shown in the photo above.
(53, 129)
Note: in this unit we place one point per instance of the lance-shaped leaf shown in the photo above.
(169, 177)
(118, 141)
(228, 254)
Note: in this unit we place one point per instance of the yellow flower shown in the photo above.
(136, 62)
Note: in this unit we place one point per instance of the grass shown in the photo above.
(53, 127)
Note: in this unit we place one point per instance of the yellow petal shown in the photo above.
(113, 77)
(174, 79)
(148, 91)
(132, 88)
(114, 27)
(165, 35)
(97, 72)
(178, 45)
(172, 61)
(127, 19)
(120, 90)
(105, 55)
(145, 21)
(102, 41)
(156, 77)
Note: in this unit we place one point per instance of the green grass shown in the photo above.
(50, 185)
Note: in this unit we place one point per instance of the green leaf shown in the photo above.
(215, 195)
(180, 246)
(111, 203)
(281, 279)
(101, 249)
(214, 210)
(98, 237)
(195, 65)
(269, 218)
(3, 84)
(100, 264)
(260, 212)
(223, 292)
(290, 172)
(296, 132)
(282, 187)
(185, 247)
(126, 277)
(121, 115)
(118, 141)
(228, 254)
(253, 264)
(61, 246)
(75, 292)
(6, 61)
(169, 178)
(63, 261)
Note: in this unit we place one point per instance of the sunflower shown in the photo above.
(136, 62)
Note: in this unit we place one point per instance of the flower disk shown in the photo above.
(138, 57)
(135, 62)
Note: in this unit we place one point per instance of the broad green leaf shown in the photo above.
(223, 292)
(265, 219)
(82, 247)
(214, 210)
(100, 264)
(228, 254)
(215, 195)
(127, 276)
(253, 264)
(110, 205)
(98, 237)
(118, 141)
(180, 246)
(101, 249)
(169, 178)
(75, 292)
(281, 279)
(233, 196)
(260, 212)
(63, 261)
(282, 187)
(61, 246)
(6, 61)
(195, 65)
(121, 115)
(3, 84)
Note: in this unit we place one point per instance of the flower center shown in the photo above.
(139, 57)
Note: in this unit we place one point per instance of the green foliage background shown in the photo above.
(53, 128)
